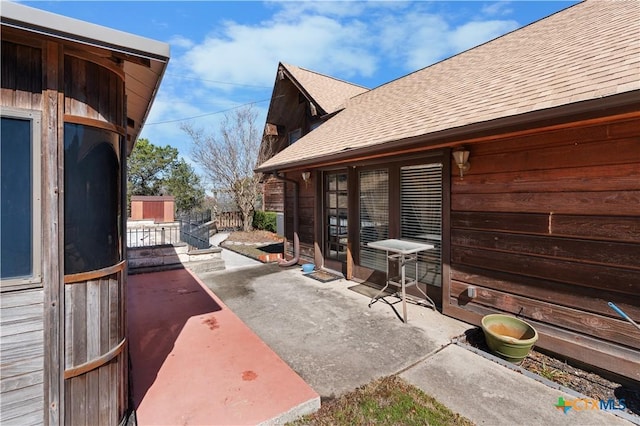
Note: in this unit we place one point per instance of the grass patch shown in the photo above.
(386, 401)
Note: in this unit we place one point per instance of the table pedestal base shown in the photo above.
(402, 259)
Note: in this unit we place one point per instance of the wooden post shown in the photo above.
(52, 235)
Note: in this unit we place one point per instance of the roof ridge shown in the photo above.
(287, 65)
(480, 45)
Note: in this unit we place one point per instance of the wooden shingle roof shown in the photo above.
(585, 52)
(328, 92)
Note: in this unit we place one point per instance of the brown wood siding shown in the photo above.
(21, 76)
(547, 227)
(306, 215)
(22, 355)
(22, 312)
(93, 91)
(94, 362)
(306, 210)
(273, 191)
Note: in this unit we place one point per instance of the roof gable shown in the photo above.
(327, 92)
(588, 51)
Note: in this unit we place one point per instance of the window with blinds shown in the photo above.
(374, 216)
(421, 217)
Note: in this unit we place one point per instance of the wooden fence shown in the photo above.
(228, 220)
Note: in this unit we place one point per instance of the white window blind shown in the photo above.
(374, 216)
(421, 216)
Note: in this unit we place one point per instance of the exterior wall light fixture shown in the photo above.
(306, 177)
(461, 157)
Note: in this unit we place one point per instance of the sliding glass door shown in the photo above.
(405, 202)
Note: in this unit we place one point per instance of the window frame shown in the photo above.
(35, 279)
(295, 135)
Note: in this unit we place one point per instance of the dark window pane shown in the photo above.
(16, 181)
(92, 198)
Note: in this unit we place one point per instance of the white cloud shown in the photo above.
(289, 10)
(475, 33)
(414, 40)
(180, 41)
(501, 8)
(343, 39)
(249, 54)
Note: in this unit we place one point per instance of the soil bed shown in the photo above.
(571, 376)
(253, 237)
(255, 244)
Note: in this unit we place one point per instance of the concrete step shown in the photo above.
(209, 265)
(154, 268)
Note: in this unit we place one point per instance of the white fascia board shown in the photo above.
(39, 21)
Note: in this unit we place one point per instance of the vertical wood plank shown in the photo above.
(93, 89)
(103, 94)
(79, 323)
(93, 319)
(68, 415)
(123, 357)
(122, 391)
(114, 312)
(67, 85)
(8, 67)
(104, 316)
(68, 327)
(103, 397)
(52, 239)
(114, 372)
(79, 88)
(121, 113)
(23, 77)
(37, 80)
(93, 397)
(78, 400)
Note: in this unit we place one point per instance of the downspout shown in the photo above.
(296, 239)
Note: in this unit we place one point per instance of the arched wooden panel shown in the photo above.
(93, 91)
(95, 349)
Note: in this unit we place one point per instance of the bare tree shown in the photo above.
(229, 157)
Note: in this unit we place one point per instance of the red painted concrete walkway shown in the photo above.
(194, 362)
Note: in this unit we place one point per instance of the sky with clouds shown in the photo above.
(225, 54)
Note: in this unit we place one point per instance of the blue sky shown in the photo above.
(225, 54)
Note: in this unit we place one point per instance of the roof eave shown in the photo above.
(73, 30)
(456, 135)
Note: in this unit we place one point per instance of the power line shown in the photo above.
(207, 114)
(217, 81)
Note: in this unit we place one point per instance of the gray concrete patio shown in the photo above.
(328, 335)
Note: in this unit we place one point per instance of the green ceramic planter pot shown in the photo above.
(509, 337)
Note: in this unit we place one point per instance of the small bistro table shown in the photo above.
(402, 252)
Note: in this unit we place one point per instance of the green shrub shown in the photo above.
(265, 221)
